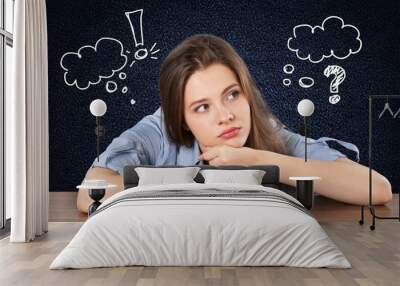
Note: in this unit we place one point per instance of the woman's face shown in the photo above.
(216, 110)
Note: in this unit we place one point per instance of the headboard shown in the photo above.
(270, 179)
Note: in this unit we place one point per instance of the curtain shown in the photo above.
(27, 154)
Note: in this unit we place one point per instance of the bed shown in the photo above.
(201, 224)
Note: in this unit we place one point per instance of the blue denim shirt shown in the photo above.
(147, 143)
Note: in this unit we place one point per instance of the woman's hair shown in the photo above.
(197, 53)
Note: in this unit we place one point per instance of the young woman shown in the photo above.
(213, 113)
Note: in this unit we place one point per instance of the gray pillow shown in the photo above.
(248, 177)
(162, 176)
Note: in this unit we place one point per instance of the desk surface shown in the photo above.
(304, 178)
(62, 207)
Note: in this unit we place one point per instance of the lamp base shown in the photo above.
(96, 195)
(304, 193)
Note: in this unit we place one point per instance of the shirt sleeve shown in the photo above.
(137, 145)
(316, 149)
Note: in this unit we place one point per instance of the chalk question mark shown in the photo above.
(340, 75)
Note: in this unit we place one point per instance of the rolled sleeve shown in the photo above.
(122, 151)
(136, 146)
(316, 149)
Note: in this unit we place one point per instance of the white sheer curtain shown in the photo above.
(27, 153)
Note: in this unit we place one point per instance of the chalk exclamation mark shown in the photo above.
(135, 20)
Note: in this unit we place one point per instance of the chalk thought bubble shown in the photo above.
(90, 64)
(332, 39)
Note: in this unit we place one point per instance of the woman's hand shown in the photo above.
(227, 155)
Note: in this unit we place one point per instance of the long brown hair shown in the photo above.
(196, 53)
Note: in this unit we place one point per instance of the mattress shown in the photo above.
(201, 225)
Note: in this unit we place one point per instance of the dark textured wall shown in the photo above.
(259, 30)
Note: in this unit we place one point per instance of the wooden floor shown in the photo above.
(374, 255)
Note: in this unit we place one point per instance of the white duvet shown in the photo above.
(206, 230)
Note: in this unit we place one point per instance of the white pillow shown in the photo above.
(162, 176)
(248, 177)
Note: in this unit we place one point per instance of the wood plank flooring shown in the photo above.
(374, 255)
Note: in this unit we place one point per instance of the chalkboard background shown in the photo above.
(259, 31)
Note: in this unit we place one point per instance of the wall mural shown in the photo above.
(335, 53)
(305, 42)
(115, 59)
(334, 39)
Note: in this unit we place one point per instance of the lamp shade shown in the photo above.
(98, 107)
(305, 107)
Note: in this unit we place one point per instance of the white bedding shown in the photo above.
(189, 230)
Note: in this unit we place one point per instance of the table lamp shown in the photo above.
(98, 108)
(306, 109)
(96, 188)
(304, 185)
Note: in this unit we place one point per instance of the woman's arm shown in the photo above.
(343, 180)
(112, 177)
